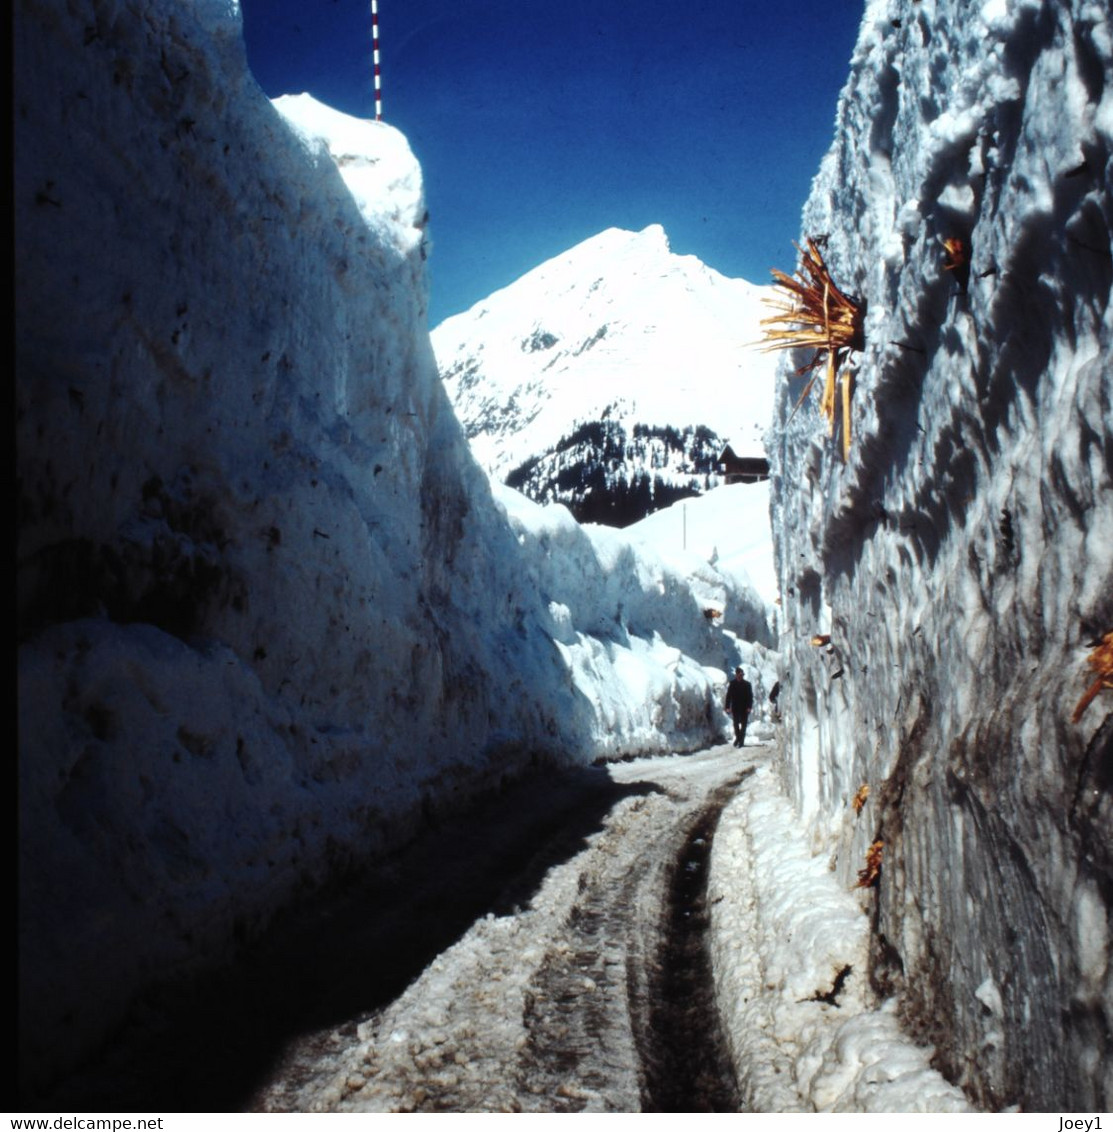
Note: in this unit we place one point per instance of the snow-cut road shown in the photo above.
(547, 951)
(591, 994)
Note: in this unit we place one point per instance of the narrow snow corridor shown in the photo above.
(273, 618)
(649, 936)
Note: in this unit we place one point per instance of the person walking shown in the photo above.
(739, 702)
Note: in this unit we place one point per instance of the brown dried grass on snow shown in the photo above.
(867, 877)
(859, 799)
(1101, 661)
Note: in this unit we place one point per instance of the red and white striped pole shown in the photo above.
(375, 55)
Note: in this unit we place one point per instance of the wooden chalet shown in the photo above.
(742, 469)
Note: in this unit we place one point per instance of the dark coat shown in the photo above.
(740, 697)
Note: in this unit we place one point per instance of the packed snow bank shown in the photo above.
(268, 611)
(728, 527)
(962, 559)
(790, 955)
(648, 638)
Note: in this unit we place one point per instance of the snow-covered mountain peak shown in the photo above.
(625, 252)
(614, 269)
(617, 328)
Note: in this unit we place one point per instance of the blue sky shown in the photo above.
(538, 124)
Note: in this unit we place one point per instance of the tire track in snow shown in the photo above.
(687, 1062)
(554, 1008)
(506, 961)
(628, 986)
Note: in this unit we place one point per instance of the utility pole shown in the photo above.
(375, 56)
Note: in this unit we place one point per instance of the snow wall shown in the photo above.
(269, 613)
(961, 562)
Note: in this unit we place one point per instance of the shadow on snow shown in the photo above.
(207, 1043)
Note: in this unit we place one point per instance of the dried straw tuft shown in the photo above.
(814, 314)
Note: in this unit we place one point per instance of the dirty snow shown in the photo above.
(961, 559)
